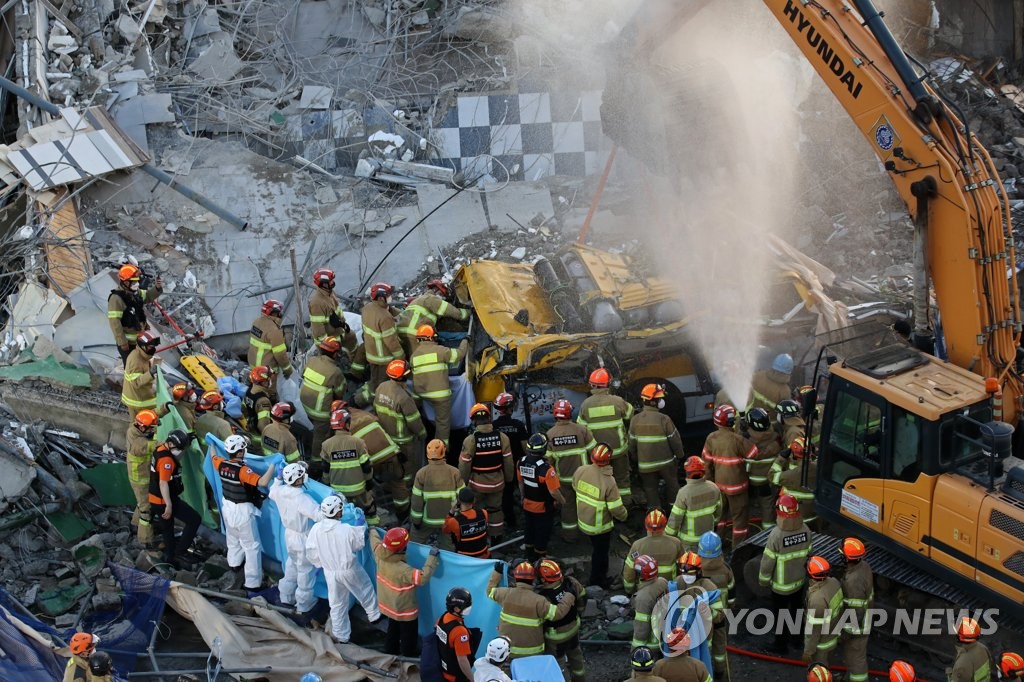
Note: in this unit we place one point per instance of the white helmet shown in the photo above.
(294, 473)
(233, 444)
(498, 649)
(332, 505)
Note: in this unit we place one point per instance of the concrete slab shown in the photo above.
(522, 201)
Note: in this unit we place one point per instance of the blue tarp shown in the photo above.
(454, 570)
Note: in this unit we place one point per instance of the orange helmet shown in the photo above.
(967, 630)
(323, 277)
(440, 287)
(562, 409)
(396, 539)
(549, 570)
(329, 345)
(425, 331)
(600, 378)
(652, 392)
(260, 374)
(210, 400)
(83, 642)
(694, 467)
(724, 416)
(504, 402)
(646, 566)
(479, 410)
(818, 567)
(1011, 664)
(272, 306)
(798, 447)
(340, 420)
(853, 549)
(655, 521)
(128, 272)
(146, 419)
(901, 671)
(601, 455)
(524, 572)
(380, 290)
(689, 562)
(398, 369)
(183, 391)
(787, 507)
(436, 449)
(818, 673)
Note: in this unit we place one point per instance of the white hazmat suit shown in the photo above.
(334, 546)
(298, 513)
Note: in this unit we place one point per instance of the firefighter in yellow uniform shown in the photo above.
(349, 464)
(383, 453)
(771, 386)
(485, 464)
(568, 445)
(727, 454)
(858, 596)
(326, 316)
(400, 418)
(277, 435)
(972, 661)
(665, 549)
(126, 311)
(823, 607)
(523, 611)
(652, 588)
(396, 589)
(782, 563)
(655, 445)
(562, 636)
(323, 382)
(697, 506)
(606, 416)
(380, 334)
(761, 434)
(597, 503)
(140, 451)
(430, 362)
(427, 308)
(715, 569)
(434, 491)
(138, 391)
(787, 471)
(267, 345)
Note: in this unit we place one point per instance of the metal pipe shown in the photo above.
(149, 169)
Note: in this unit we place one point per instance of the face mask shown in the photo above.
(465, 612)
(661, 404)
(689, 578)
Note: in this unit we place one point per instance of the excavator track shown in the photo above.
(884, 564)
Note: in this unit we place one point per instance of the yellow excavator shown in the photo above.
(918, 453)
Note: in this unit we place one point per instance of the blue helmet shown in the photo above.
(710, 545)
(783, 363)
(311, 677)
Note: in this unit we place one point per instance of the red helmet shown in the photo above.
(787, 507)
(562, 409)
(128, 272)
(323, 277)
(504, 402)
(524, 572)
(83, 642)
(600, 378)
(396, 539)
(901, 671)
(689, 562)
(282, 411)
(818, 567)
(146, 419)
(655, 520)
(853, 549)
(272, 306)
(329, 345)
(652, 392)
(340, 419)
(549, 570)
(148, 339)
(380, 290)
(724, 416)
(440, 287)
(260, 374)
(967, 630)
(646, 566)
(479, 410)
(210, 400)
(819, 673)
(398, 369)
(426, 331)
(694, 467)
(1011, 664)
(601, 455)
(798, 447)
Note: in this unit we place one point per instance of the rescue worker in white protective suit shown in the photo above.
(299, 511)
(239, 508)
(334, 546)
